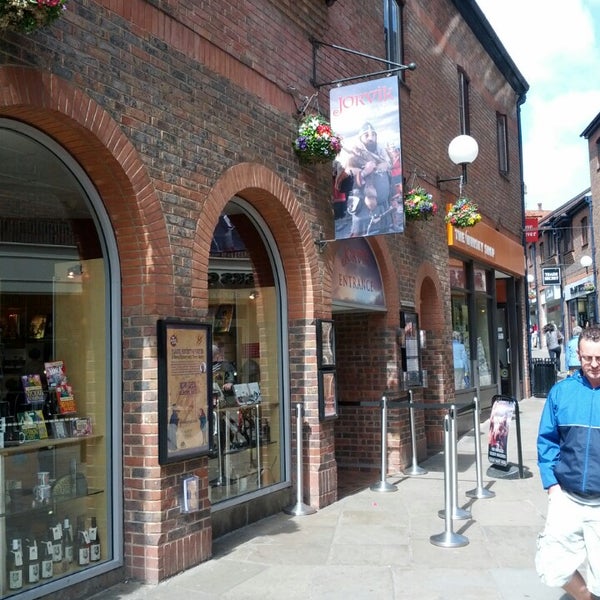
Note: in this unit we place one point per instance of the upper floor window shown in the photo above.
(502, 135)
(584, 232)
(463, 103)
(392, 23)
(566, 240)
(598, 153)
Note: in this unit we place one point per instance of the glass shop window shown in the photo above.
(55, 402)
(244, 309)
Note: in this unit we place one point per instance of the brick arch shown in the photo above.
(276, 204)
(96, 141)
(428, 299)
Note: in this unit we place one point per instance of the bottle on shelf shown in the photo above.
(82, 544)
(15, 565)
(56, 535)
(94, 535)
(32, 561)
(47, 566)
(68, 548)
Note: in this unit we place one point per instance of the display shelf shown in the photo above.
(21, 511)
(49, 443)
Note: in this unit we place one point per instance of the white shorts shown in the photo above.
(571, 538)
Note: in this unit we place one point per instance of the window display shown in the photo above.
(54, 399)
(246, 435)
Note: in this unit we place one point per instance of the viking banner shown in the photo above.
(367, 190)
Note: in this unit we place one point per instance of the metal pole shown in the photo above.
(480, 491)
(448, 539)
(415, 468)
(299, 509)
(457, 513)
(383, 485)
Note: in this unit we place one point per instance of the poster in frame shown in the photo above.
(328, 403)
(325, 343)
(184, 389)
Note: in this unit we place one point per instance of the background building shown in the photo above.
(158, 222)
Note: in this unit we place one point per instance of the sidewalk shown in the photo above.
(376, 545)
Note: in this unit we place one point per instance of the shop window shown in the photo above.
(244, 305)
(483, 351)
(460, 340)
(56, 372)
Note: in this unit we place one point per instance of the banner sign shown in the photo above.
(531, 230)
(500, 418)
(367, 179)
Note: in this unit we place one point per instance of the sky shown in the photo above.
(556, 47)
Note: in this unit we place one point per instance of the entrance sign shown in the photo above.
(368, 170)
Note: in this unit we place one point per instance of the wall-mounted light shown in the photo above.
(462, 150)
(586, 261)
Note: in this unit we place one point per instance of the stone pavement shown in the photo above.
(376, 545)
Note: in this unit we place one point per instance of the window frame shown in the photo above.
(393, 17)
(502, 141)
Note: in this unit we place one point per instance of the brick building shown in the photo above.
(156, 221)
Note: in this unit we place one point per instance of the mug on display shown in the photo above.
(43, 478)
(42, 493)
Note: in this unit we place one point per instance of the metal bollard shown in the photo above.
(458, 513)
(480, 491)
(383, 485)
(299, 509)
(448, 538)
(415, 469)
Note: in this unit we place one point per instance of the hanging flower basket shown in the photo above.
(28, 15)
(589, 287)
(463, 213)
(316, 142)
(419, 205)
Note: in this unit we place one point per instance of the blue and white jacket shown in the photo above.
(569, 437)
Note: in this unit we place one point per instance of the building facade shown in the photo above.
(561, 267)
(172, 294)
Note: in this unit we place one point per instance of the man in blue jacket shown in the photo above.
(569, 462)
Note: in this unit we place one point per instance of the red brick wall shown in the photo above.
(174, 107)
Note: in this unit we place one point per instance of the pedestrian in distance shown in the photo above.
(554, 339)
(568, 446)
(571, 356)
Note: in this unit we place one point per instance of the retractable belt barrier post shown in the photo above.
(383, 485)
(480, 491)
(457, 513)
(299, 509)
(448, 538)
(415, 469)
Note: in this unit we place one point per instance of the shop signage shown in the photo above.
(551, 276)
(356, 279)
(500, 418)
(484, 243)
(531, 230)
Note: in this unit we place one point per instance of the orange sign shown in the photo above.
(484, 243)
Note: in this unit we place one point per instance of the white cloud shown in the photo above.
(556, 47)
